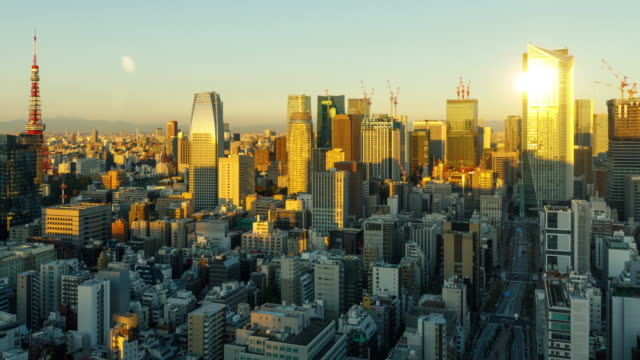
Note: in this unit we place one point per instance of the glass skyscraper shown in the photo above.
(298, 103)
(547, 126)
(382, 141)
(328, 107)
(462, 130)
(206, 145)
(299, 144)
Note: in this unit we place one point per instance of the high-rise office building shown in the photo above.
(583, 160)
(357, 174)
(346, 135)
(329, 287)
(419, 153)
(503, 165)
(117, 274)
(183, 152)
(298, 104)
(236, 179)
(19, 194)
(381, 233)
(206, 326)
(330, 200)
(382, 141)
(632, 196)
(94, 311)
(462, 130)
(358, 107)
(624, 147)
(299, 144)
(172, 140)
(281, 148)
(205, 147)
(28, 298)
(600, 139)
(328, 107)
(461, 251)
(513, 134)
(547, 126)
(583, 123)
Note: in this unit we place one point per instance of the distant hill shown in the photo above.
(64, 124)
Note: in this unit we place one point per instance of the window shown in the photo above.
(552, 242)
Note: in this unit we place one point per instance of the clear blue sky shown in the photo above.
(255, 53)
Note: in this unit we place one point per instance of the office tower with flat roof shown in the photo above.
(583, 123)
(28, 298)
(183, 152)
(461, 251)
(583, 159)
(357, 174)
(513, 134)
(381, 233)
(328, 107)
(330, 200)
(281, 148)
(299, 144)
(94, 311)
(600, 139)
(504, 165)
(382, 140)
(206, 146)
(298, 104)
(346, 135)
(117, 274)
(172, 140)
(624, 147)
(632, 196)
(462, 130)
(236, 178)
(206, 331)
(51, 284)
(419, 153)
(547, 126)
(79, 223)
(318, 159)
(358, 107)
(329, 287)
(19, 194)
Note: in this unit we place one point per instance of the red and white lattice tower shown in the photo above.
(34, 124)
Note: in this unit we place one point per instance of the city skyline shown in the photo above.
(129, 63)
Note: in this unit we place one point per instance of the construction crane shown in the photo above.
(622, 80)
(633, 90)
(393, 99)
(366, 96)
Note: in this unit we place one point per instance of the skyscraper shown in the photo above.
(206, 146)
(298, 103)
(357, 174)
(329, 287)
(236, 178)
(299, 143)
(328, 107)
(358, 107)
(19, 193)
(584, 122)
(419, 153)
(330, 200)
(513, 134)
(547, 126)
(462, 130)
(382, 137)
(172, 140)
(600, 139)
(624, 147)
(346, 135)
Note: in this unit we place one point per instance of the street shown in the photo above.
(510, 302)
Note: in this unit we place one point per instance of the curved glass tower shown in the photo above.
(206, 145)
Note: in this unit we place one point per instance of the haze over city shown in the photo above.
(257, 53)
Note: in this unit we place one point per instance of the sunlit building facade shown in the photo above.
(330, 200)
(328, 107)
(462, 130)
(237, 179)
(600, 139)
(205, 147)
(298, 103)
(584, 122)
(624, 147)
(382, 137)
(299, 144)
(346, 135)
(547, 126)
(512, 134)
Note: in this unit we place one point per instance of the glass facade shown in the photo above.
(328, 107)
(462, 130)
(547, 126)
(206, 145)
(299, 143)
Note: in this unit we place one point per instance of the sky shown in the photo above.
(142, 61)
